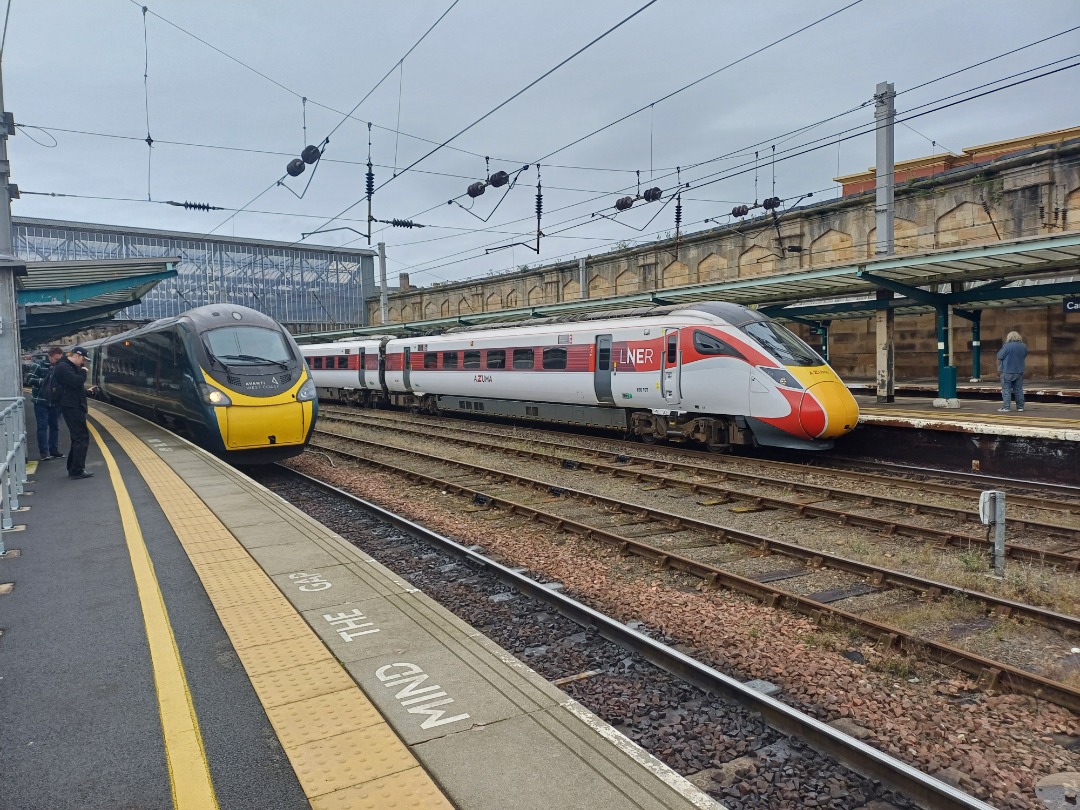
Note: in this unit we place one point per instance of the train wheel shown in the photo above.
(649, 438)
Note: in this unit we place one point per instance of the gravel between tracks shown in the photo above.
(994, 746)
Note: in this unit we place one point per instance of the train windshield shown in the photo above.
(784, 344)
(248, 345)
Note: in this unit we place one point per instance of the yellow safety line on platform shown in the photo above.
(185, 755)
(344, 753)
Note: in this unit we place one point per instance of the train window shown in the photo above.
(431, 359)
(555, 358)
(672, 348)
(316, 362)
(249, 345)
(496, 358)
(449, 359)
(711, 344)
(603, 358)
(783, 344)
(342, 361)
(471, 360)
(523, 358)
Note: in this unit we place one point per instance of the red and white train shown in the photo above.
(713, 372)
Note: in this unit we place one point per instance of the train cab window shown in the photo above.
(472, 360)
(603, 358)
(523, 358)
(555, 358)
(496, 358)
(449, 359)
(342, 361)
(712, 345)
(783, 344)
(249, 345)
(672, 348)
(431, 359)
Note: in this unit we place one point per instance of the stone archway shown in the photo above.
(445, 309)
(599, 287)
(675, 274)
(832, 247)
(966, 223)
(905, 238)
(713, 268)
(571, 291)
(512, 300)
(757, 261)
(493, 302)
(536, 296)
(627, 281)
(429, 310)
(463, 306)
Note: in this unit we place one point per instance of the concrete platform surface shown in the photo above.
(317, 676)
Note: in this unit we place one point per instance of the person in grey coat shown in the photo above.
(1011, 359)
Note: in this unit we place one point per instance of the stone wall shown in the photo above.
(1026, 194)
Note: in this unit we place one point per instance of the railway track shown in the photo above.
(694, 546)
(714, 736)
(800, 498)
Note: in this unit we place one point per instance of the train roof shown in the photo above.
(201, 319)
(735, 314)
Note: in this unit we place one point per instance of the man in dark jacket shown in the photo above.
(1011, 361)
(46, 414)
(70, 375)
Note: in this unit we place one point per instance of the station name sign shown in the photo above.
(1071, 305)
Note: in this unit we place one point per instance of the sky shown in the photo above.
(223, 134)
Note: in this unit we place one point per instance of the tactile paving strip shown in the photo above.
(344, 753)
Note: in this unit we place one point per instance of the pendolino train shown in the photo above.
(713, 372)
(227, 377)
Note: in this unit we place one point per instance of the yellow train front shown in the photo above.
(228, 378)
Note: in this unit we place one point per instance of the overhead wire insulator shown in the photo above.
(678, 212)
(295, 168)
(623, 203)
(476, 189)
(310, 154)
(498, 180)
(652, 194)
(194, 206)
(405, 223)
(740, 210)
(369, 182)
(769, 203)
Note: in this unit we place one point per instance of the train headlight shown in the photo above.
(307, 391)
(781, 376)
(211, 396)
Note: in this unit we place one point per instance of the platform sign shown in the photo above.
(1071, 305)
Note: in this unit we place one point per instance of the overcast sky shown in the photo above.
(79, 65)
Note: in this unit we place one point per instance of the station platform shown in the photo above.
(175, 635)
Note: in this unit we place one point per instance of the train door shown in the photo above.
(669, 368)
(602, 375)
(405, 363)
(360, 373)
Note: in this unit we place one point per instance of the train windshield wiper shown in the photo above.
(213, 357)
(253, 358)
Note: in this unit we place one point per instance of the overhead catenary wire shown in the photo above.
(498, 107)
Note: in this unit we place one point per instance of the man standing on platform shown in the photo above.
(70, 375)
(1011, 360)
(46, 414)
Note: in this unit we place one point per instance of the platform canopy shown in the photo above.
(60, 298)
(1033, 271)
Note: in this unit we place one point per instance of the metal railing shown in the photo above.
(12, 459)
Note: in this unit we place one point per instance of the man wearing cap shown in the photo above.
(70, 374)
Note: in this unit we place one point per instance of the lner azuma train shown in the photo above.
(713, 372)
(229, 378)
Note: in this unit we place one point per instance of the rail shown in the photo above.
(12, 460)
(923, 789)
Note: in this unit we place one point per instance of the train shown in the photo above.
(714, 373)
(227, 377)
